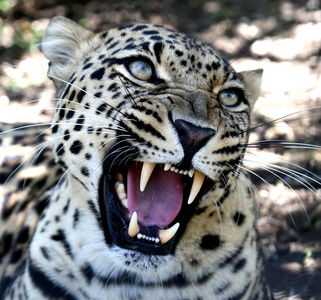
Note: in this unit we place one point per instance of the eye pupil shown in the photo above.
(141, 70)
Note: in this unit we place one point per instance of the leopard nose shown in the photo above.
(192, 137)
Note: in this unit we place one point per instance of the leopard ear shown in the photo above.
(252, 83)
(64, 43)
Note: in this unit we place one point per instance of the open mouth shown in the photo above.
(146, 206)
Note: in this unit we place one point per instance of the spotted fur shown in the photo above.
(61, 239)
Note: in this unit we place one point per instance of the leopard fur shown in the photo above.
(132, 95)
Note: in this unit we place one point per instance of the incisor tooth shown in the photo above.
(197, 184)
(166, 234)
(133, 227)
(167, 166)
(146, 173)
(191, 173)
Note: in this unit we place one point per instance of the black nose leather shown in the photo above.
(192, 138)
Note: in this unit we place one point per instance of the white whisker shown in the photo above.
(273, 171)
(79, 88)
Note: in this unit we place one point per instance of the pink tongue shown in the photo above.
(161, 200)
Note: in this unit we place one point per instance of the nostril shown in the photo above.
(192, 137)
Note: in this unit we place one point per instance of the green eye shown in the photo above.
(228, 98)
(141, 70)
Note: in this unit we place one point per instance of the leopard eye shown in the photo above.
(228, 98)
(141, 70)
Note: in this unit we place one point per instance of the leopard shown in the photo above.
(142, 192)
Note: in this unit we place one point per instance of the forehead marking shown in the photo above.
(158, 50)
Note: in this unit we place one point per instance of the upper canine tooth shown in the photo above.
(197, 184)
(133, 227)
(146, 173)
(166, 234)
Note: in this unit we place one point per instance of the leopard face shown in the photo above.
(150, 130)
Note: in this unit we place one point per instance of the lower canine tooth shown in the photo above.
(167, 234)
(133, 227)
(197, 184)
(146, 173)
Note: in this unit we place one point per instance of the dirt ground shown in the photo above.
(282, 37)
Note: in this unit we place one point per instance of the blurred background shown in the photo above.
(282, 37)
